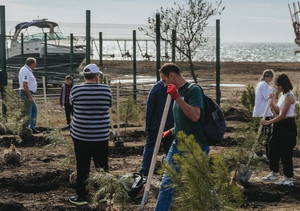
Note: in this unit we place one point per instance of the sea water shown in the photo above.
(237, 52)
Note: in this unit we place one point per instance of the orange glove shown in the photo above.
(167, 133)
(172, 90)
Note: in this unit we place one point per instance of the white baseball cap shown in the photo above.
(91, 69)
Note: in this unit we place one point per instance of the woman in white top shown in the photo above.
(262, 93)
(284, 132)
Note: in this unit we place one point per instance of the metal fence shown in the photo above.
(130, 61)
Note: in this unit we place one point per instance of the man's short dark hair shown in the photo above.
(30, 61)
(284, 81)
(168, 68)
(90, 76)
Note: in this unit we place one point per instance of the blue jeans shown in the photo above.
(30, 110)
(149, 148)
(165, 195)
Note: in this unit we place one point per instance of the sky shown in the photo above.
(241, 21)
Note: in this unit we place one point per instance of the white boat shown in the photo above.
(58, 48)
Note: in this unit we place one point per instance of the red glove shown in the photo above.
(172, 90)
(166, 133)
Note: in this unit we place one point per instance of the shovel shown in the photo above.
(244, 172)
(156, 148)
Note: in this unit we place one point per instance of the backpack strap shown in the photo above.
(188, 93)
(190, 87)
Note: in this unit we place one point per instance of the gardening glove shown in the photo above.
(167, 133)
(172, 90)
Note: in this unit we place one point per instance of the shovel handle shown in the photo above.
(156, 148)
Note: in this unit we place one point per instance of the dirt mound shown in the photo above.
(28, 141)
(125, 151)
(236, 114)
(134, 135)
(229, 141)
(36, 182)
(261, 194)
(11, 206)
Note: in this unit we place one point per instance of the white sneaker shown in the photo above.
(271, 177)
(286, 181)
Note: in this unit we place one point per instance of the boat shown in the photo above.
(58, 49)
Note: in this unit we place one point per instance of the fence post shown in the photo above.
(134, 65)
(88, 37)
(71, 54)
(157, 31)
(100, 50)
(3, 73)
(45, 99)
(118, 107)
(173, 45)
(44, 89)
(22, 48)
(45, 58)
(218, 63)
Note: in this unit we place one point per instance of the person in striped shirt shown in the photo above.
(89, 127)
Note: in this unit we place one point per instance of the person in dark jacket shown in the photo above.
(65, 97)
(155, 107)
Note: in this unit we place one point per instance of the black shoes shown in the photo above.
(35, 131)
(78, 201)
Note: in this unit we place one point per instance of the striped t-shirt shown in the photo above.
(91, 103)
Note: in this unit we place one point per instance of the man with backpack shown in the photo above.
(188, 112)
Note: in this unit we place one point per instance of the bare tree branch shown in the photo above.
(189, 18)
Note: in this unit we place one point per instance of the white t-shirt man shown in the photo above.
(262, 93)
(26, 75)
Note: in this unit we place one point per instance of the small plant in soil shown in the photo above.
(129, 111)
(11, 156)
(202, 183)
(54, 138)
(14, 121)
(108, 188)
(248, 98)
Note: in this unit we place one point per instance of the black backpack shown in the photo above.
(213, 121)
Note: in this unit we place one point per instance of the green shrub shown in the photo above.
(248, 98)
(55, 138)
(129, 110)
(14, 121)
(201, 184)
(106, 186)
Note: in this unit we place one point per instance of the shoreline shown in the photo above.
(116, 67)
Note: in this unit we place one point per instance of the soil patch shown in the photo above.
(28, 141)
(36, 182)
(261, 194)
(11, 206)
(125, 151)
(229, 141)
(236, 114)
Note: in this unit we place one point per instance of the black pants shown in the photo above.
(281, 146)
(84, 152)
(68, 112)
(267, 131)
